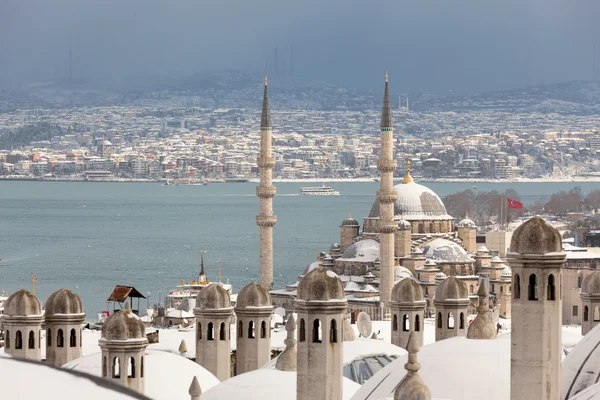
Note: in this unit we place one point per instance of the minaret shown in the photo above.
(386, 197)
(265, 192)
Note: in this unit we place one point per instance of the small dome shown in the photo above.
(466, 223)
(123, 325)
(335, 246)
(451, 288)
(253, 295)
(310, 267)
(63, 301)
(591, 283)
(417, 251)
(404, 224)
(321, 284)
(213, 297)
(350, 221)
(430, 263)
(364, 250)
(536, 236)
(22, 304)
(407, 291)
(482, 249)
(440, 276)
(506, 272)
(496, 259)
(401, 273)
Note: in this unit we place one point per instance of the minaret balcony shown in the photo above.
(266, 220)
(265, 192)
(384, 165)
(388, 228)
(266, 162)
(387, 197)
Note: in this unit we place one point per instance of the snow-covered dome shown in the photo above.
(166, 375)
(407, 291)
(496, 259)
(213, 297)
(415, 202)
(430, 263)
(451, 288)
(536, 236)
(404, 224)
(253, 295)
(443, 250)
(466, 223)
(416, 251)
(401, 273)
(591, 283)
(123, 325)
(482, 249)
(63, 301)
(580, 369)
(310, 267)
(321, 284)
(440, 276)
(350, 221)
(22, 304)
(365, 250)
(506, 272)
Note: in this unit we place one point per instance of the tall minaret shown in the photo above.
(265, 192)
(386, 197)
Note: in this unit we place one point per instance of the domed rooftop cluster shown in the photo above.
(321, 284)
(536, 236)
(415, 202)
(22, 304)
(63, 301)
(591, 283)
(466, 223)
(451, 288)
(123, 325)
(253, 295)
(407, 290)
(213, 297)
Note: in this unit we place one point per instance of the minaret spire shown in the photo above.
(265, 192)
(386, 197)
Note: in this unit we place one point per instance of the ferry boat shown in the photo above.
(319, 191)
(183, 297)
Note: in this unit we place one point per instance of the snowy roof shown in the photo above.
(580, 369)
(415, 202)
(364, 251)
(167, 376)
(444, 250)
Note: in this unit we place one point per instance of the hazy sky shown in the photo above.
(435, 45)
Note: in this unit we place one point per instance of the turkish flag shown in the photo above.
(513, 203)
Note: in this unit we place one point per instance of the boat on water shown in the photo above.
(319, 191)
(185, 182)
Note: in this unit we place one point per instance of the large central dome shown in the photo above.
(415, 202)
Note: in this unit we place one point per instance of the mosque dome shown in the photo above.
(404, 224)
(591, 283)
(213, 297)
(350, 221)
(536, 236)
(63, 301)
(365, 251)
(253, 295)
(430, 263)
(310, 267)
(451, 288)
(407, 291)
(444, 250)
(482, 249)
(402, 273)
(123, 325)
(22, 304)
(580, 369)
(466, 223)
(506, 272)
(440, 276)
(415, 202)
(496, 259)
(321, 284)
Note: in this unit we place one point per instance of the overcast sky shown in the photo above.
(435, 45)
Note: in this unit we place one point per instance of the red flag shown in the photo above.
(513, 203)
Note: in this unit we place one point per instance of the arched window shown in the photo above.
(240, 329)
(142, 368)
(317, 334)
(199, 331)
(104, 367)
(48, 337)
(517, 287)
(579, 280)
(395, 322)
(493, 288)
(405, 323)
(60, 339)
(439, 320)
(302, 334)
(131, 368)
(263, 329)
(210, 332)
(222, 333)
(73, 339)
(501, 290)
(19, 341)
(417, 323)
(450, 323)
(596, 314)
(532, 288)
(7, 339)
(333, 334)
(251, 333)
(31, 340)
(461, 321)
(551, 288)
(585, 313)
(471, 288)
(116, 368)
(431, 228)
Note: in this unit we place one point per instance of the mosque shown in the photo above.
(46, 353)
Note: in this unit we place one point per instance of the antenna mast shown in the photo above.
(220, 271)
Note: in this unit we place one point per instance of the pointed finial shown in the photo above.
(412, 386)
(183, 347)
(265, 117)
(349, 215)
(287, 360)
(195, 389)
(467, 214)
(408, 178)
(386, 109)
(386, 76)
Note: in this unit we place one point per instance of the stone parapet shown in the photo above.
(265, 192)
(384, 165)
(266, 220)
(387, 228)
